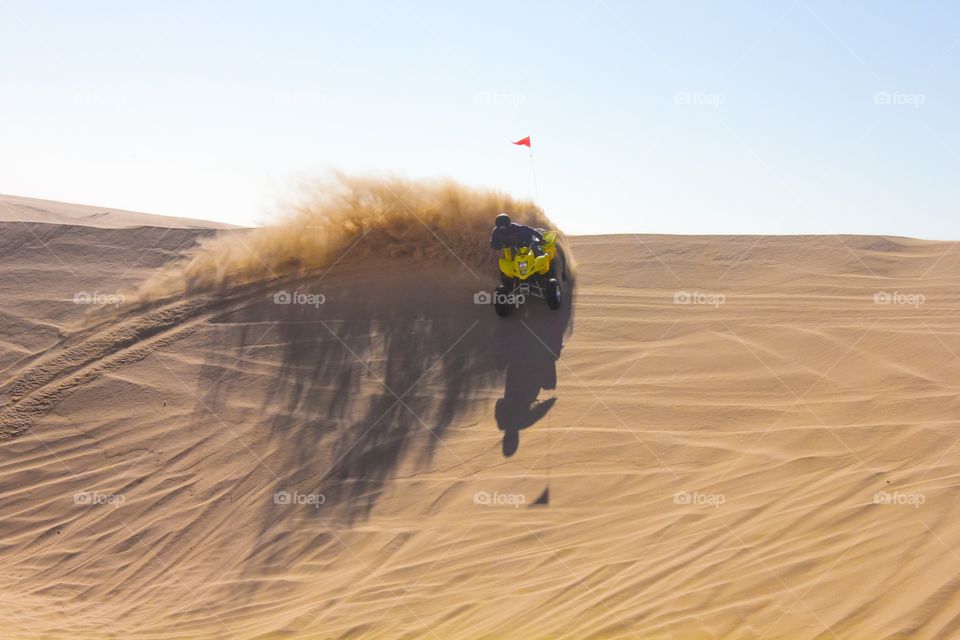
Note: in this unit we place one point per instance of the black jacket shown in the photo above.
(516, 235)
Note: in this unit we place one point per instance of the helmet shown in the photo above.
(503, 220)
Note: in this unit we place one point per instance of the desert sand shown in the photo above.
(716, 437)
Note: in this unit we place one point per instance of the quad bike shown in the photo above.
(523, 274)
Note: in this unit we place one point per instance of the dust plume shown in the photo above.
(346, 218)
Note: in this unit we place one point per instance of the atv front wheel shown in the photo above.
(552, 294)
(500, 301)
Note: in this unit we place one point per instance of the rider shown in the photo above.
(512, 234)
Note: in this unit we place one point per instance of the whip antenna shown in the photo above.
(544, 498)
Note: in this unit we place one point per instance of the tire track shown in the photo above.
(77, 360)
(49, 377)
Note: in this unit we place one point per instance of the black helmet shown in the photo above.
(503, 220)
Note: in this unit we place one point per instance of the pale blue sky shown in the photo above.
(683, 117)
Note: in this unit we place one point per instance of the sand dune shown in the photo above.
(20, 209)
(723, 437)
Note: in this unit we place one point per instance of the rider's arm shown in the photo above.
(495, 241)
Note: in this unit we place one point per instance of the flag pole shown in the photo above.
(545, 496)
(533, 171)
(525, 142)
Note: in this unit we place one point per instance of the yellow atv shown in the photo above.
(523, 274)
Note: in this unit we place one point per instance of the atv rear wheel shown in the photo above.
(558, 266)
(552, 294)
(500, 301)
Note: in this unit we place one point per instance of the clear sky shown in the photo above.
(801, 116)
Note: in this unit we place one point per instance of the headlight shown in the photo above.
(523, 268)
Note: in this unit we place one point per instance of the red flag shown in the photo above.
(525, 142)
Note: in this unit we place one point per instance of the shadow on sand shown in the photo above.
(376, 375)
(528, 348)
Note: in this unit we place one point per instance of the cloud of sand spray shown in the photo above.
(350, 218)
